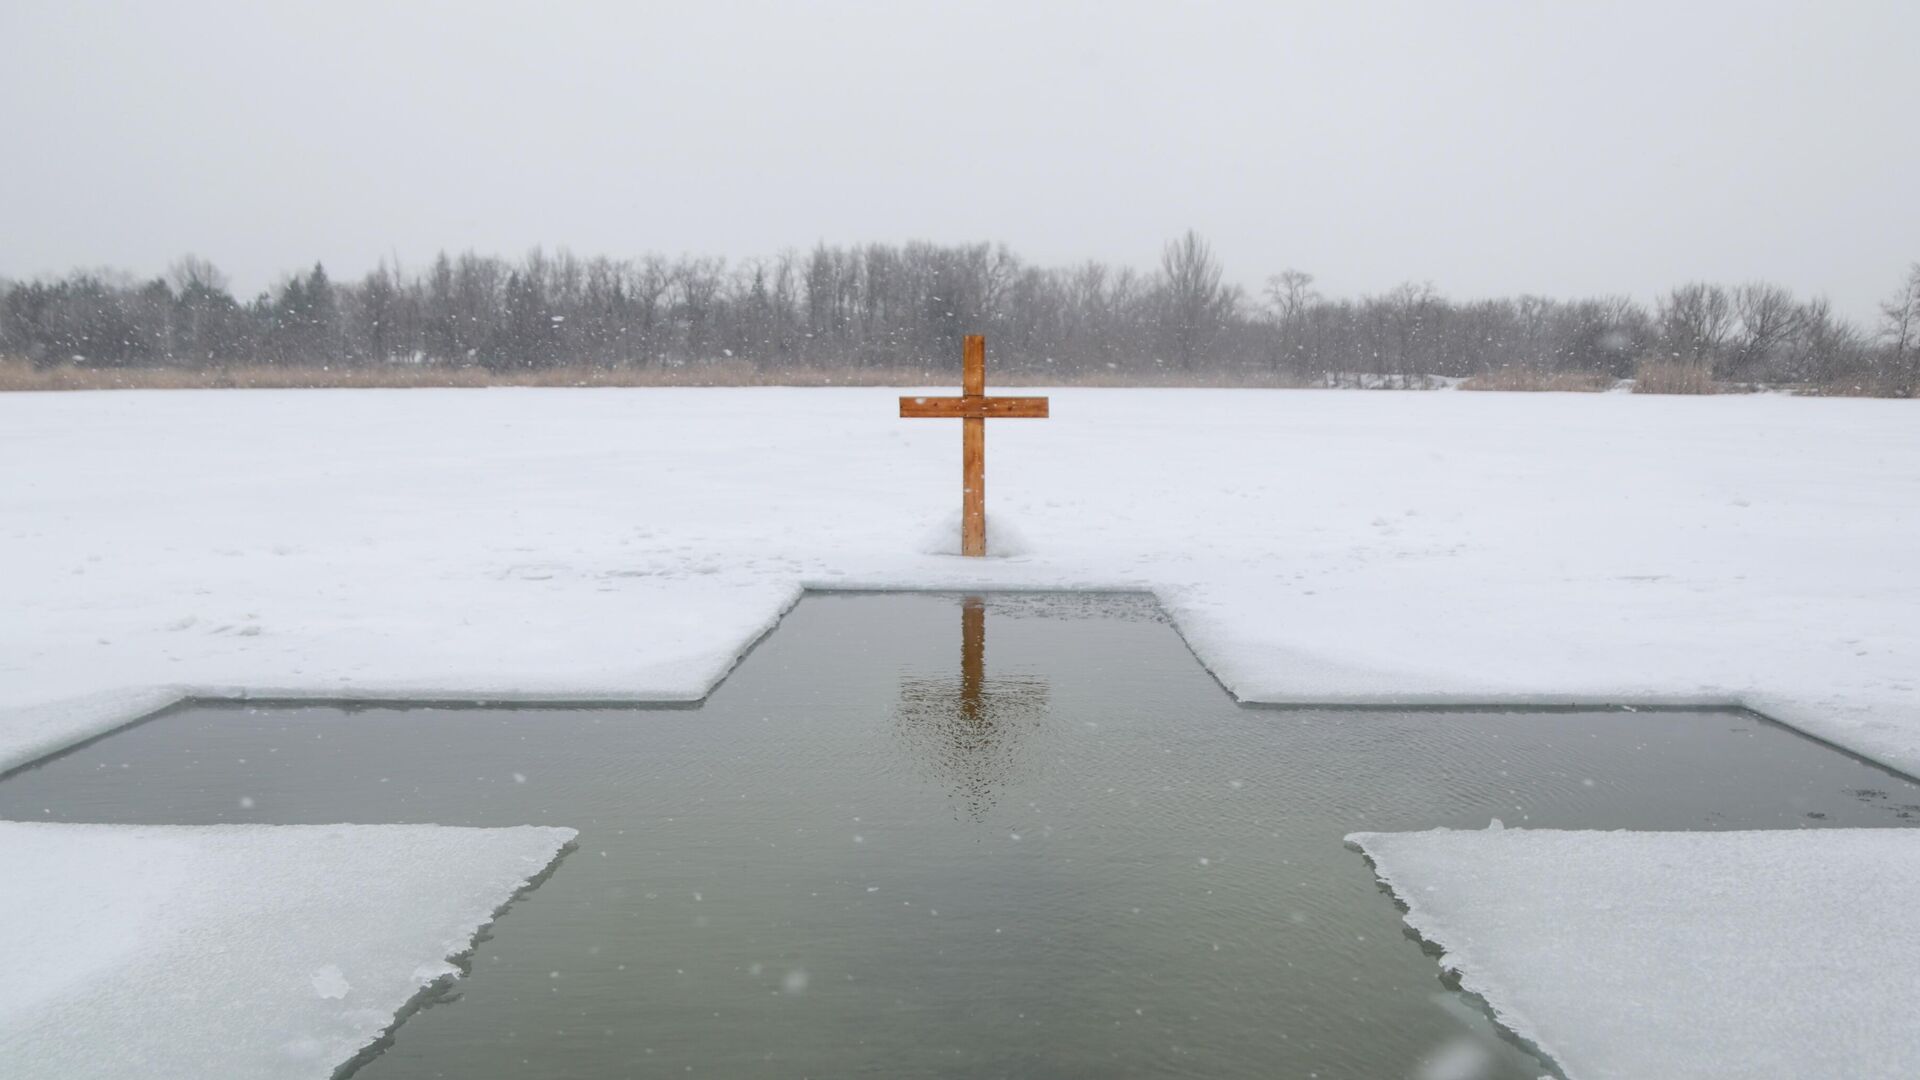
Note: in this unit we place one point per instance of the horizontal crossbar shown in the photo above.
(971, 407)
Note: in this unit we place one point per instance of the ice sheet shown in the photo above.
(1752, 955)
(255, 951)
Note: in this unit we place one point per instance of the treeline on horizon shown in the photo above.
(904, 309)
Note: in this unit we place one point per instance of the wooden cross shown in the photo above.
(973, 407)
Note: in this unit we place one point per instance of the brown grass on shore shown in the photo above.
(1672, 377)
(1864, 385)
(17, 374)
(1528, 379)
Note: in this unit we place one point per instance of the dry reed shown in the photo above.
(1655, 376)
(1528, 379)
(17, 374)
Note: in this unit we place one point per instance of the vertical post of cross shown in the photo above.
(973, 452)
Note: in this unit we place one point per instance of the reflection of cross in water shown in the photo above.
(969, 736)
(973, 655)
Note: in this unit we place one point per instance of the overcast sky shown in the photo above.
(1492, 148)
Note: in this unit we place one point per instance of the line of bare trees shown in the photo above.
(906, 307)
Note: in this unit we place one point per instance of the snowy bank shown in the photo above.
(1311, 545)
(254, 951)
(1749, 955)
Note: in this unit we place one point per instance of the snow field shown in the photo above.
(1311, 545)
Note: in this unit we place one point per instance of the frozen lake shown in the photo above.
(922, 835)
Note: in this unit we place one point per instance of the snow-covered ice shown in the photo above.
(1315, 546)
(1311, 545)
(1750, 955)
(258, 951)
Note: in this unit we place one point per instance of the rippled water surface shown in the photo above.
(934, 836)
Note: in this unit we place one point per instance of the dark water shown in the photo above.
(870, 853)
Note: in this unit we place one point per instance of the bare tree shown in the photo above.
(696, 290)
(650, 284)
(1768, 319)
(206, 321)
(1196, 302)
(1828, 349)
(1695, 320)
(192, 273)
(1900, 328)
(1410, 315)
(378, 318)
(1288, 294)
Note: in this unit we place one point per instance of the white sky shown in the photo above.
(1494, 148)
